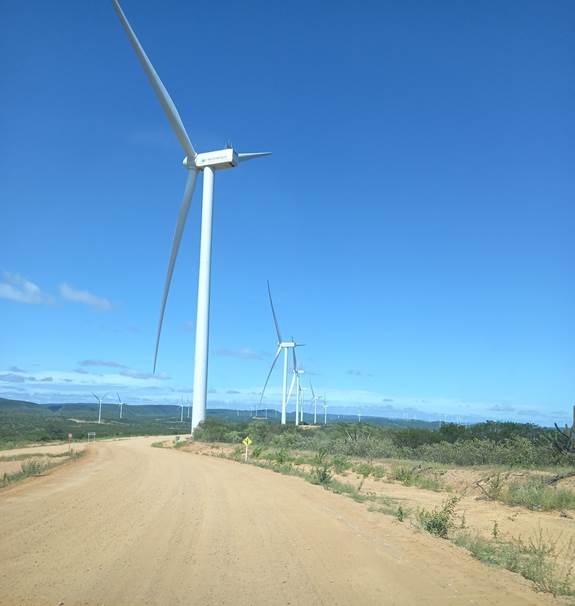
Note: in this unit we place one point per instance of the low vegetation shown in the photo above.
(538, 559)
(439, 521)
(509, 444)
(22, 423)
(36, 464)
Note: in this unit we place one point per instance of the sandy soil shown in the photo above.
(478, 513)
(135, 525)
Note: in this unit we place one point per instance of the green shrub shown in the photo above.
(321, 472)
(402, 473)
(340, 464)
(439, 521)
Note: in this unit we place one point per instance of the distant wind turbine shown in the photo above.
(208, 163)
(296, 372)
(99, 407)
(324, 411)
(121, 404)
(285, 346)
(314, 399)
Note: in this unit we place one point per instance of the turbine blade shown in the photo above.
(270, 372)
(294, 357)
(252, 156)
(312, 391)
(274, 314)
(119, 400)
(97, 398)
(159, 88)
(188, 194)
(291, 387)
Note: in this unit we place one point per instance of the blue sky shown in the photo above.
(415, 221)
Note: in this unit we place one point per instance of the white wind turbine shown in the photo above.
(296, 372)
(314, 399)
(324, 411)
(208, 163)
(285, 346)
(99, 406)
(120, 403)
(302, 391)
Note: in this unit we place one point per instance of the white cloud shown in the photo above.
(138, 374)
(109, 363)
(18, 289)
(85, 297)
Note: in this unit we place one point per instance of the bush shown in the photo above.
(321, 471)
(439, 521)
(340, 463)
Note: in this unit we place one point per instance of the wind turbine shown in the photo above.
(121, 404)
(285, 346)
(208, 163)
(296, 371)
(302, 391)
(99, 407)
(324, 411)
(314, 399)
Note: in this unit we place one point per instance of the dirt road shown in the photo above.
(135, 525)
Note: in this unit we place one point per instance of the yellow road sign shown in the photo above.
(247, 441)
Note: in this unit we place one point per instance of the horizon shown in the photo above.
(337, 414)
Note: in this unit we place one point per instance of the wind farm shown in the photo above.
(364, 390)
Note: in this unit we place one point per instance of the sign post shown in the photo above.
(69, 442)
(247, 441)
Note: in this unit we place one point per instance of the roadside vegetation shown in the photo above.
(521, 445)
(36, 464)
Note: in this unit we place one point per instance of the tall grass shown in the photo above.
(538, 559)
(535, 494)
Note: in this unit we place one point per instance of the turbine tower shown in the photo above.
(296, 372)
(285, 346)
(99, 407)
(324, 411)
(120, 403)
(208, 163)
(314, 399)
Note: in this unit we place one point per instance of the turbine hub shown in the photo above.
(189, 163)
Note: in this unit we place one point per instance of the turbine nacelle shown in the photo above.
(218, 160)
(288, 344)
